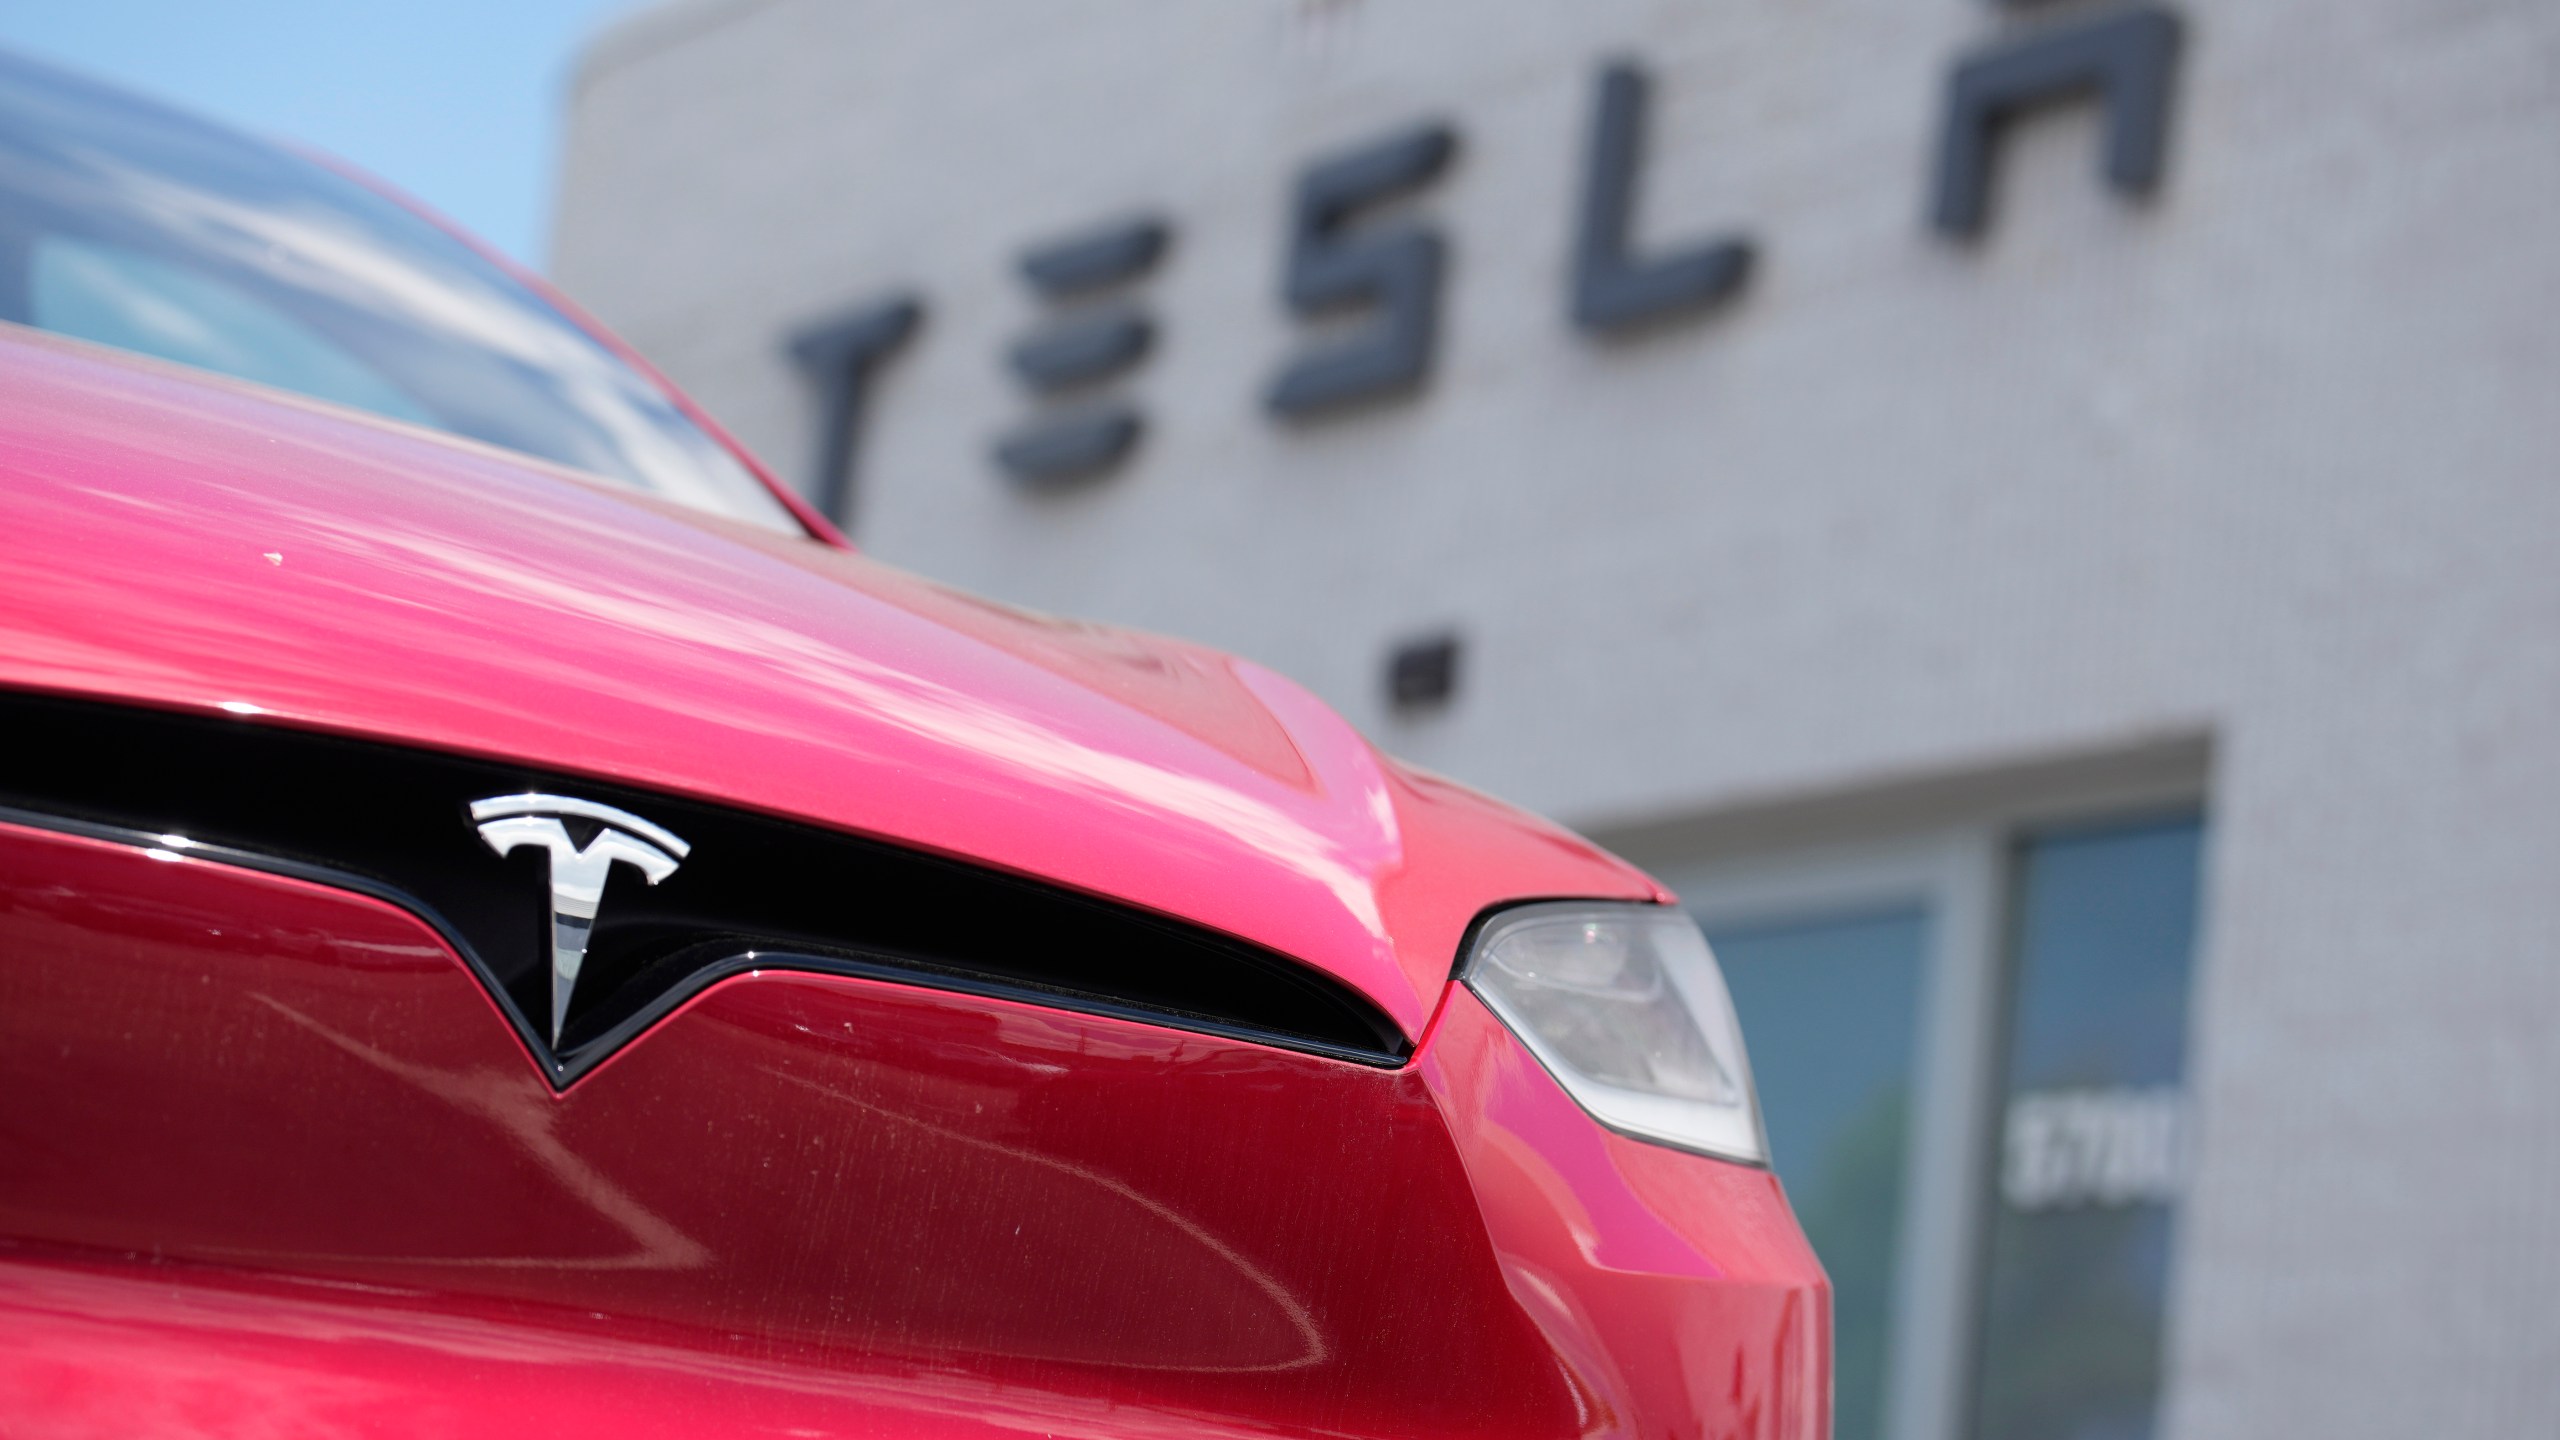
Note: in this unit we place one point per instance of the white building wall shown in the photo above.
(2274, 458)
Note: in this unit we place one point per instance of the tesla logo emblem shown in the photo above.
(577, 874)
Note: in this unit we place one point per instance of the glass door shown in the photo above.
(2093, 1139)
(1831, 1003)
(1971, 1054)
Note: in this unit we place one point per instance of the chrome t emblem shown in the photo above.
(577, 876)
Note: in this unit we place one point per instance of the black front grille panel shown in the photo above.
(753, 891)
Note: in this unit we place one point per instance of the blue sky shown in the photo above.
(455, 101)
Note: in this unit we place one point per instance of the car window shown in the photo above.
(115, 297)
(131, 225)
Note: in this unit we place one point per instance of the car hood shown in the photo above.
(178, 540)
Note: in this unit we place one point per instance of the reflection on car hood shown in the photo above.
(184, 541)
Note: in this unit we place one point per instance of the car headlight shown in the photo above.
(1625, 1006)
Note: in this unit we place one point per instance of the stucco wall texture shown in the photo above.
(2272, 458)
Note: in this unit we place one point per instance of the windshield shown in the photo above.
(131, 225)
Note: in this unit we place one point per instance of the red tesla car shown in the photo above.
(509, 926)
